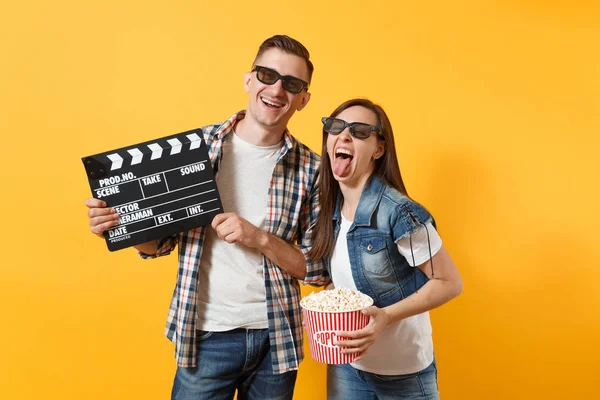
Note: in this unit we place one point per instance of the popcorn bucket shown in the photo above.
(321, 327)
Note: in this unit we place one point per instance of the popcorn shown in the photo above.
(336, 300)
(328, 312)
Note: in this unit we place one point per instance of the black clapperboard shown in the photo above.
(159, 188)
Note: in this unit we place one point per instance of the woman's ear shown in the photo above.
(380, 151)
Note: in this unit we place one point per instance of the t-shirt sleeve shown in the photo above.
(420, 245)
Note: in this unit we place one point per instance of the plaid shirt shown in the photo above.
(292, 212)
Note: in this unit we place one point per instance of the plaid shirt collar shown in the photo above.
(227, 127)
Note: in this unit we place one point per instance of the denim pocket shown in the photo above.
(378, 269)
(393, 378)
(202, 335)
(420, 385)
(374, 255)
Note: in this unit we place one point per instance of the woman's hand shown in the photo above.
(359, 341)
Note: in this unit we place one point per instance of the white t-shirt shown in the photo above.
(404, 347)
(231, 288)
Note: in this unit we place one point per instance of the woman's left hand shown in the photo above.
(359, 341)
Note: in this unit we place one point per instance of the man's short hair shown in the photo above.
(288, 45)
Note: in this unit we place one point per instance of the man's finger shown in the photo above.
(219, 219)
(231, 237)
(99, 229)
(223, 229)
(114, 218)
(98, 212)
(94, 203)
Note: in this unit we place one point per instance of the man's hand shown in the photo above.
(233, 229)
(101, 217)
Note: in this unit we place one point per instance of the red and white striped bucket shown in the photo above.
(321, 328)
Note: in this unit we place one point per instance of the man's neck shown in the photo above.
(256, 134)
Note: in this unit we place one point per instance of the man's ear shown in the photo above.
(304, 101)
(247, 80)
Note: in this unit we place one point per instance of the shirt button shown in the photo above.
(369, 247)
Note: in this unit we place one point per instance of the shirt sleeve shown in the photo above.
(420, 245)
(316, 273)
(165, 247)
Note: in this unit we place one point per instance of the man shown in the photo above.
(234, 316)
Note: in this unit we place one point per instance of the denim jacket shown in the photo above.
(382, 217)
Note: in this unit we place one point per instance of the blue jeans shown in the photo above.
(234, 360)
(344, 382)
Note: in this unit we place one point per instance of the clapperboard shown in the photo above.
(158, 188)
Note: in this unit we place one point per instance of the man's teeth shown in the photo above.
(270, 103)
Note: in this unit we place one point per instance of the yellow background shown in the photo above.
(496, 109)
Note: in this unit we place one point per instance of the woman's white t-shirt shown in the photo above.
(404, 347)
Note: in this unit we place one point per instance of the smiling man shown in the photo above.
(235, 317)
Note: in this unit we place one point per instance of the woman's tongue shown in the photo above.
(340, 165)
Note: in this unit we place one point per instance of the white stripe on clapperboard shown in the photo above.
(137, 155)
(177, 220)
(170, 212)
(161, 172)
(167, 202)
(171, 222)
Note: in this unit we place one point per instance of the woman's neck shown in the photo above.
(351, 193)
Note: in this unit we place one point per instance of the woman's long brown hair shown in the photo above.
(386, 167)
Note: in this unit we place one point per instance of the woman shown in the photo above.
(372, 236)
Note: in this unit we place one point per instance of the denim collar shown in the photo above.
(369, 199)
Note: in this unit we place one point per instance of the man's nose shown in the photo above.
(278, 87)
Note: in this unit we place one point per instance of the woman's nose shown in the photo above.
(345, 135)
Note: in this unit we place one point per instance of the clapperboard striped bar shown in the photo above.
(159, 188)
